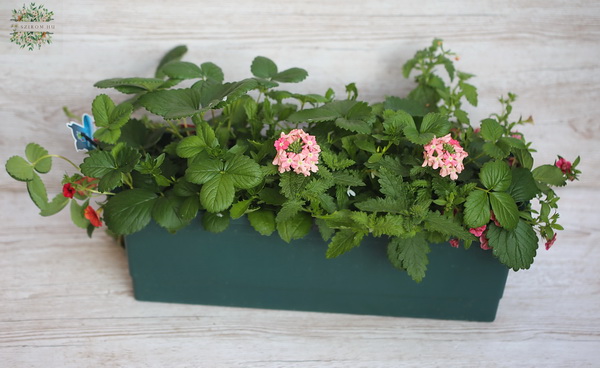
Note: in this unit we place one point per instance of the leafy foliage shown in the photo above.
(209, 158)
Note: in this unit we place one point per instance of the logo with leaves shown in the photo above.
(31, 14)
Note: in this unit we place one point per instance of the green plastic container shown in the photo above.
(242, 268)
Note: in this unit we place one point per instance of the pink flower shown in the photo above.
(297, 151)
(454, 243)
(446, 154)
(564, 165)
(550, 242)
(493, 218)
(478, 231)
(484, 242)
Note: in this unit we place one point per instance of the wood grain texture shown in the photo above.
(66, 301)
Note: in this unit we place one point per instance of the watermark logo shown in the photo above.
(33, 26)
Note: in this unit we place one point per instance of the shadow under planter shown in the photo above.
(239, 267)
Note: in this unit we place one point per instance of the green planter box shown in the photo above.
(242, 268)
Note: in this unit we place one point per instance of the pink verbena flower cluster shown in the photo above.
(297, 151)
(446, 154)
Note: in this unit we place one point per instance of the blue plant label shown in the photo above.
(83, 133)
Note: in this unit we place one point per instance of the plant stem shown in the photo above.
(57, 156)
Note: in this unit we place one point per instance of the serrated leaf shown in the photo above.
(190, 146)
(435, 123)
(505, 209)
(102, 107)
(107, 135)
(411, 107)
(244, 172)
(238, 209)
(514, 248)
(173, 103)
(549, 174)
(386, 205)
(174, 54)
(316, 115)
(296, 227)
(470, 92)
(217, 194)
(263, 67)
(166, 213)
(523, 187)
(181, 70)
(389, 183)
(358, 126)
(18, 168)
(477, 209)
(120, 115)
(189, 208)
(263, 221)
(131, 85)
(391, 225)
(343, 241)
(441, 224)
(34, 153)
(110, 180)
(202, 168)
(495, 150)
(347, 178)
(291, 75)
(212, 73)
(129, 211)
(496, 175)
(292, 184)
(37, 191)
(98, 164)
(410, 255)
(215, 222)
(289, 209)
(491, 130)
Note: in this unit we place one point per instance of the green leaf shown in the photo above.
(55, 205)
(358, 126)
(411, 107)
(514, 248)
(292, 75)
(343, 241)
(389, 183)
(491, 130)
(98, 164)
(173, 103)
(129, 211)
(549, 174)
(263, 221)
(244, 172)
(523, 187)
(102, 107)
(174, 54)
(18, 168)
(77, 214)
(496, 150)
(263, 67)
(296, 227)
(217, 194)
(34, 153)
(435, 123)
(238, 209)
(107, 135)
(505, 209)
(215, 222)
(289, 209)
(470, 92)
(441, 224)
(211, 72)
(496, 175)
(189, 208)
(181, 70)
(347, 178)
(202, 168)
(191, 146)
(477, 209)
(388, 205)
(292, 184)
(131, 85)
(120, 115)
(391, 225)
(37, 191)
(166, 213)
(316, 115)
(410, 255)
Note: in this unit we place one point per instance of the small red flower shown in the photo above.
(454, 243)
(478, 231)
(564, 165)
(493, 218)
(68, 190)
(550, 242)
(484, 242)
(91, 214)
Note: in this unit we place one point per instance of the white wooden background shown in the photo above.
(66, 301)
